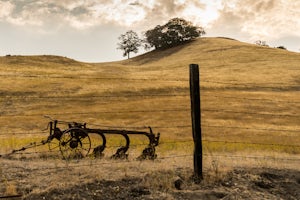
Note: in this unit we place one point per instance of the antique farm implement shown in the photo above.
(75, 141)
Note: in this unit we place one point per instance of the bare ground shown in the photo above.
(142, 180)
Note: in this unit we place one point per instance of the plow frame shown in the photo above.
(75, 141)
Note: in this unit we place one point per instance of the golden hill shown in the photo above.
(219, 58)
(248, 92)
(225, 59)
(45, 60)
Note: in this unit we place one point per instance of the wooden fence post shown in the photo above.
(196, 120)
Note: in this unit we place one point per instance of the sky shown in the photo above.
(88, 30)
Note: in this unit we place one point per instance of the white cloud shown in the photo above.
(6, 9)
(76, 13)
(261, 19)
(202, 12)
(68, 4)
(85, 14)
(119, 12)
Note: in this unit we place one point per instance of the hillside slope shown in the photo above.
(219, 58)
(37, 60)
(242, 85)
(224, 59)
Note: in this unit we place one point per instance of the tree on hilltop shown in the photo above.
(129, 42)
(261, 43)
(281, 47)
(175, 32)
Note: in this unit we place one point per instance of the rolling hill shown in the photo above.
(252, 88)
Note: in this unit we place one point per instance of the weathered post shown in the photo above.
(196, 120)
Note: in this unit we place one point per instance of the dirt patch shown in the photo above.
(236, 184)
(128, 188)
(110, 179)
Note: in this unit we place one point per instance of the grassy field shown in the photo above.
(248, 93)
(250, 100)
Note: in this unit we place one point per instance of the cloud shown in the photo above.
(85, 14)
(261, 19)
(135, 3)
(6, 9)
(78, 14)
(23, 13)
(158, 12)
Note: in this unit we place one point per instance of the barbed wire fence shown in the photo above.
(178, 109)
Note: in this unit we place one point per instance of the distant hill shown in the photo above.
(204, 49)
(224, 59)
(219, 59)
(43, 60)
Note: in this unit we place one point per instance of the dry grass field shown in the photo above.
(250, 101)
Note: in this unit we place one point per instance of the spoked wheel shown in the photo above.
(74, 144)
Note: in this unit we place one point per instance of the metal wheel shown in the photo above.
(74, 144)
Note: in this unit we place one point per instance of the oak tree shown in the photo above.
(129, 42)
(175, 32)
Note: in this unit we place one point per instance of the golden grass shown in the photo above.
(253, 89)
(10, 189)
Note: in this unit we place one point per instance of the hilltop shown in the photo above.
(44, 60)
(200, 50)
(220, 59)
(206, 50)
(223, 59)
